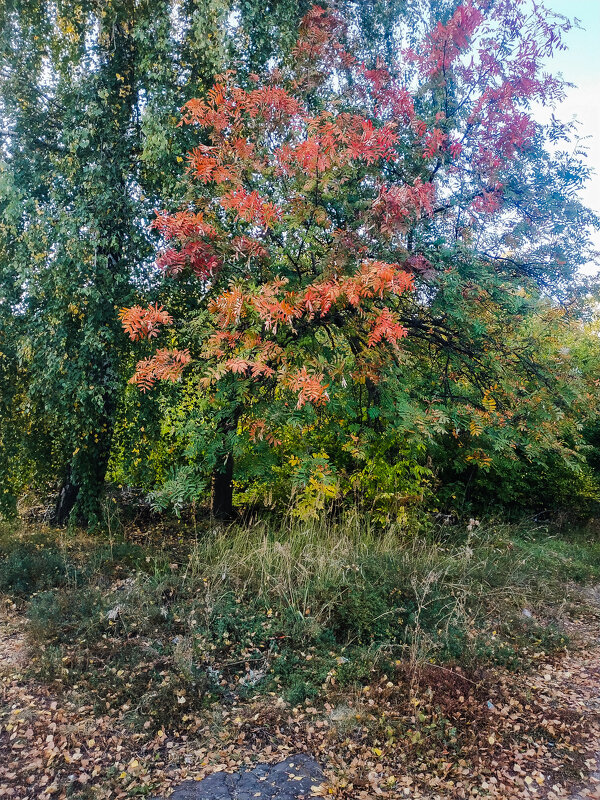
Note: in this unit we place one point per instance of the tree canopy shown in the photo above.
(379, 249)
(368, 274)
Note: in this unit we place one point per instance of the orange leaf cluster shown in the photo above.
(246, 247)
(226, 106)
(386, 326)
(446, 42)
(198, 255)
(164, 365)
(228, 307)
(258, 430)
(335, 142)
(250, 207)
(183, 225)
(373, 279)
(308, 385)
(144, 323)
(396, 206)
(318, 31)
(190, 230)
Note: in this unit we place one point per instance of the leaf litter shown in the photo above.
(437, 734)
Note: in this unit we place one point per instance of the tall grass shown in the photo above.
(295, 560)
(360, 580)
(289, 605)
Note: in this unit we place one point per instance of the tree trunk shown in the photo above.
(66, 501)
(222, 490)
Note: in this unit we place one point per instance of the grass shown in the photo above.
(293, 609)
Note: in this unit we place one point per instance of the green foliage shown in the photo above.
(491, 399)
(29, 569)
(40, 562)
(89, 97)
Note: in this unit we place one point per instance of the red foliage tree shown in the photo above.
(320, 192)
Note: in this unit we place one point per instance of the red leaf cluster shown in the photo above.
(251, 207)
(386, 326)
(308, 385)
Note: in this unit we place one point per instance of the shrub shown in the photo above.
(30, 568)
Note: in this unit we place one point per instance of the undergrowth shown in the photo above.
(295, 609)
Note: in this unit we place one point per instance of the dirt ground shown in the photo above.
(529, 736)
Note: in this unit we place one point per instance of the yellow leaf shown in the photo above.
(476, 428)
(488, 402)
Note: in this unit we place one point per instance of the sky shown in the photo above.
(580, 64)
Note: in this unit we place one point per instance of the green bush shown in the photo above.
(64, 614)
(30, 568)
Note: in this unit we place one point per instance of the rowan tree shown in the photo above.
(359, 231)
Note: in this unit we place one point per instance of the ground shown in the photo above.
(495, 734)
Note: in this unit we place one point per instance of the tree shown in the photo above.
(88, 90)
(347, 222)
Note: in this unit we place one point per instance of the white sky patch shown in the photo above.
(580, 65)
